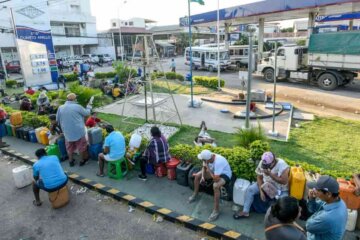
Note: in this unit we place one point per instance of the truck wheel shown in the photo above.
(269, 75)
(211, 68)
(328, 82)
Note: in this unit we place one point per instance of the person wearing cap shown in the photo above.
(71, 117)
(43, 103)
(329, 213)
(272, 182)
(114, 148)
(217, 168)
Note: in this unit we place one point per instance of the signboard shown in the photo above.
(338, 17)
(34, 42)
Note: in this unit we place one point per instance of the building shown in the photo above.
(72, 25)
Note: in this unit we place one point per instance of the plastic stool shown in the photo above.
(117, 169)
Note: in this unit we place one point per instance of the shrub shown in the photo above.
(85, 93)
(71, 77)
(34, 120)
(238, 158)
(103, 75)
(123, 71)
(10, 83)
(245, 137)
(180, 77)
(170, 75)
(257, 148)
(210, 82)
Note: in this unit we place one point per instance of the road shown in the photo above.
(344, 101)
(88, 216)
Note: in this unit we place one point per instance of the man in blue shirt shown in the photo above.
(48, 175)
(329, 213)
(114, 148)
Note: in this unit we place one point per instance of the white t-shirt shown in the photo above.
(278, 169)
(220, 166)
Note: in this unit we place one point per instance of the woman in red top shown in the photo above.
(30, 91)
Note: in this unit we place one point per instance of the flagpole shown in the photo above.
(191, 59)
(218, 44)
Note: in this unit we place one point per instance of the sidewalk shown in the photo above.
(160, 191)
(165, 194)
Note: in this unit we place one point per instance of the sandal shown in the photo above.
(37, 204)
(236, 216)
(100, 175)
(72, 163)
(82, 163)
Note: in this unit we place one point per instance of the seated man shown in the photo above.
(272, 181)
(329, 214)
(217, 168)
(92, 121)
(25, 104)
(116, 92)
(48, 175)
(114, 148)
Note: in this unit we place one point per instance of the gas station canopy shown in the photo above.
(273, 10)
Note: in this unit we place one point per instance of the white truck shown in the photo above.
(331, 60)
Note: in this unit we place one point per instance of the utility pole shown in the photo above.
(250, 67)
(273, 132)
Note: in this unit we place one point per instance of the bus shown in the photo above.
(206, 58)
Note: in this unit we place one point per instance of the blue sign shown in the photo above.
(338, 17)
(260, 8)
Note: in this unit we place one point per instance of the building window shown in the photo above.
(57, 28)
(114, 24)
(131, 23)
(75, 8)
(126, 23)
(72, 30)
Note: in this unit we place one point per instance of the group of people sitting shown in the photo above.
(270, 195)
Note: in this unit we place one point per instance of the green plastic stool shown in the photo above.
(117, 169)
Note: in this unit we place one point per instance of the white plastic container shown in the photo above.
(351, 221)
(22, 176)
(135, 141)
(240, 188)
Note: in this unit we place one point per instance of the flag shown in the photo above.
(201, 2)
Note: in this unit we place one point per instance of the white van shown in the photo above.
(206, 58)
(239, 55)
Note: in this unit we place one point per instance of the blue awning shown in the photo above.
(259, 8)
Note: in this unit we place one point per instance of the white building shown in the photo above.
(72, 25)
(132, 22)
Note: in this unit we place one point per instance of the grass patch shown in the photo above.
(178, 88)
(328, 143)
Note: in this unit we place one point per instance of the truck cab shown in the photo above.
(290, 59)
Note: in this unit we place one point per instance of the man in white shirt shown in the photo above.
(217, 168)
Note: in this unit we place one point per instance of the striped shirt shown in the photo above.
(157, 150)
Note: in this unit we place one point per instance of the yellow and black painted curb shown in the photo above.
(209, 229)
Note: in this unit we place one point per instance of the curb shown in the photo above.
(194, 224)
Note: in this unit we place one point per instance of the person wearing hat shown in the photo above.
(71, 117)
(272, 182)
(43, 103)
(114, 148)
(217, 168)
(329, 213)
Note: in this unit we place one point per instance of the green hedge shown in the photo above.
(101, 75)
(10, 83)
(30, 118)
(238, 158)
(71, 77)
(168, 75)
(210, 82)
(85, 93)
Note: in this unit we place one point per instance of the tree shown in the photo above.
(301, 42)
(182, 40)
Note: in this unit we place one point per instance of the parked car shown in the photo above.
(90, 57)
(104, 58)
(135, 57)
(13, 67)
